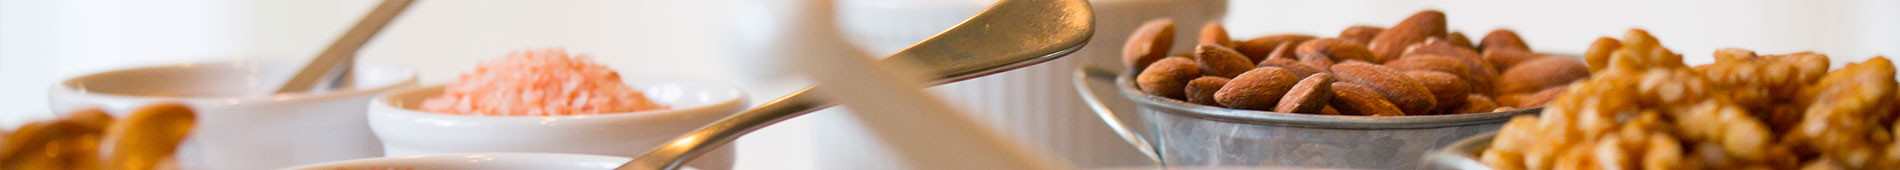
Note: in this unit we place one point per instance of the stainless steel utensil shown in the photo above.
(1178, 133)
(1010, 34)
(331, 69)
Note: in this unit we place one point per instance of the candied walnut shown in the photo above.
(1844, 118)
(1643, 108)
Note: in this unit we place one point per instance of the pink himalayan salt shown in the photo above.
(543, 82)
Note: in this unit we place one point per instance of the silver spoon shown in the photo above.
(331, 69)
(1010, 34)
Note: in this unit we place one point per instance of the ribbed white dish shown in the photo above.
(1036, 103)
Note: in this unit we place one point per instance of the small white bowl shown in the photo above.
(242, 124)
(405, 130)
(481, 161)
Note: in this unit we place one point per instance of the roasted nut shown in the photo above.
(1214, 33)
(148, 137)
(1476, 103)
(1599, 54)
(1459, 39)
(1258, 89)
(1360, 33)
(1735, 55)
(1541, 74)
(1354, 99)
(1149, 43)
(1503, 109)
(1329, 110)
(1441, 64)
(1503, 39)
(1505, 59)
(1284, 51)
(1167, 77)
(1334, 49)
(1542, 97)
(1220, 61)
(1408, 94)
(41, 145)
(92, 117)
(1391, 42)
(1259, 48)
(1296, 67)
(1201, 90)
(1846, 109)
(1310, 95)
(1449, 89)
(1644, 50)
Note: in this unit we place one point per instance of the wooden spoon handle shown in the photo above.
(344, 49)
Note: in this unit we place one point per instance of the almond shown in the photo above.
(1391, 42)
(1502, 39)
(1505, 59)
(1329, 110)
(1503, 109)
(1258, 89)
(1599, 54)
(1214, 33)
(1408, 94)
(1436, 46)
(1310, 95)
(1459, 39)
(1262, 47)
(1221, 61)
(1508, 100)
(1479, 72)
(1283, 51)
(1449, 90)
(1542, 97)
(1167, 77)
(1477, 77)
(1541, 74)
(1148, 43)
(1300, 69)
(1476, 103)
(1360, 33)
(1355, 99)
(1201, 90)
(1335, 49)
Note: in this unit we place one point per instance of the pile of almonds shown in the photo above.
(1417, 67)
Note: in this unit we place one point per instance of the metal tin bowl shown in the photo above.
(1178, 133)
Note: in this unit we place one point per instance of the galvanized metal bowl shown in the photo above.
(1178, 133)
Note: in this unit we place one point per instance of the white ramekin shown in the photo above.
(241, 123)
(405, 131)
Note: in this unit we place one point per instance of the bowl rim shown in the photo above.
(387, 101)
(68, 85)
(1126, 84)
(1462, 154)
(386, 160)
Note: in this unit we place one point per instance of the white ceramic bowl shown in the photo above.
(481, 161)
(241, 124)
(407, 131)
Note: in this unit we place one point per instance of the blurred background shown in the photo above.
(42, 41)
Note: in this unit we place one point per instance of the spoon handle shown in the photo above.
(687, 147)
(335, 60)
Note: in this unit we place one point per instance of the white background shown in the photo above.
(43, 40)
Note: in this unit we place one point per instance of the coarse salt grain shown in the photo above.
(545, 82)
